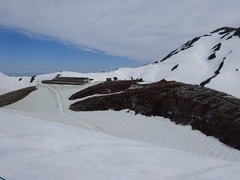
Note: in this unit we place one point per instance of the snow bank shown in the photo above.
(36, 149)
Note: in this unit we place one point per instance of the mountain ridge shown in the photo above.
(211, 60)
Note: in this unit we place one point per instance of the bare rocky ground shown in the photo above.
(14, 96)
(213, 113)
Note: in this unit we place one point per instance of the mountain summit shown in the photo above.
(211, 60)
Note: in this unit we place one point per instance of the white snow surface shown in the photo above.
(34, 149)
(50, 102)
(193, 67)
(31, 148)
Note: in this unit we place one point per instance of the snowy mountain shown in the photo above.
(51, 102)
(211, 60)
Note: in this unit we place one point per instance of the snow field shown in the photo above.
(153, 130)
(35, 149)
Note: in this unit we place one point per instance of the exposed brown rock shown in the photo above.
(14, 96)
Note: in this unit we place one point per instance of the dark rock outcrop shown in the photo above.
(217, 72)
(187, 45)
(227, 30)
(14, 96)
(213, 113)
(32, 79)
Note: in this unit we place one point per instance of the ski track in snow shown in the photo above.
(62, 112)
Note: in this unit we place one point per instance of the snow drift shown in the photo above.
(36, 149)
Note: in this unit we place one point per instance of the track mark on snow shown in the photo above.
(61, 111)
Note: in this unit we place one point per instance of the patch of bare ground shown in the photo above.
(14, 96)
(213, 113)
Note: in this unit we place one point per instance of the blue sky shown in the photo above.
(24, 54)
(123, 33)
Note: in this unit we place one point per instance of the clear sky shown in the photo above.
(99, 35)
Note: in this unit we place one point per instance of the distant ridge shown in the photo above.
(211, 60)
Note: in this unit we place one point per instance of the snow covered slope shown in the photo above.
(52, 104)
(9, 83)
(65, 152)
(35, 149)
(212, 60)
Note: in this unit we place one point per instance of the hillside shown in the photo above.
(51, 103)
(211, 60)
(34, 149)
